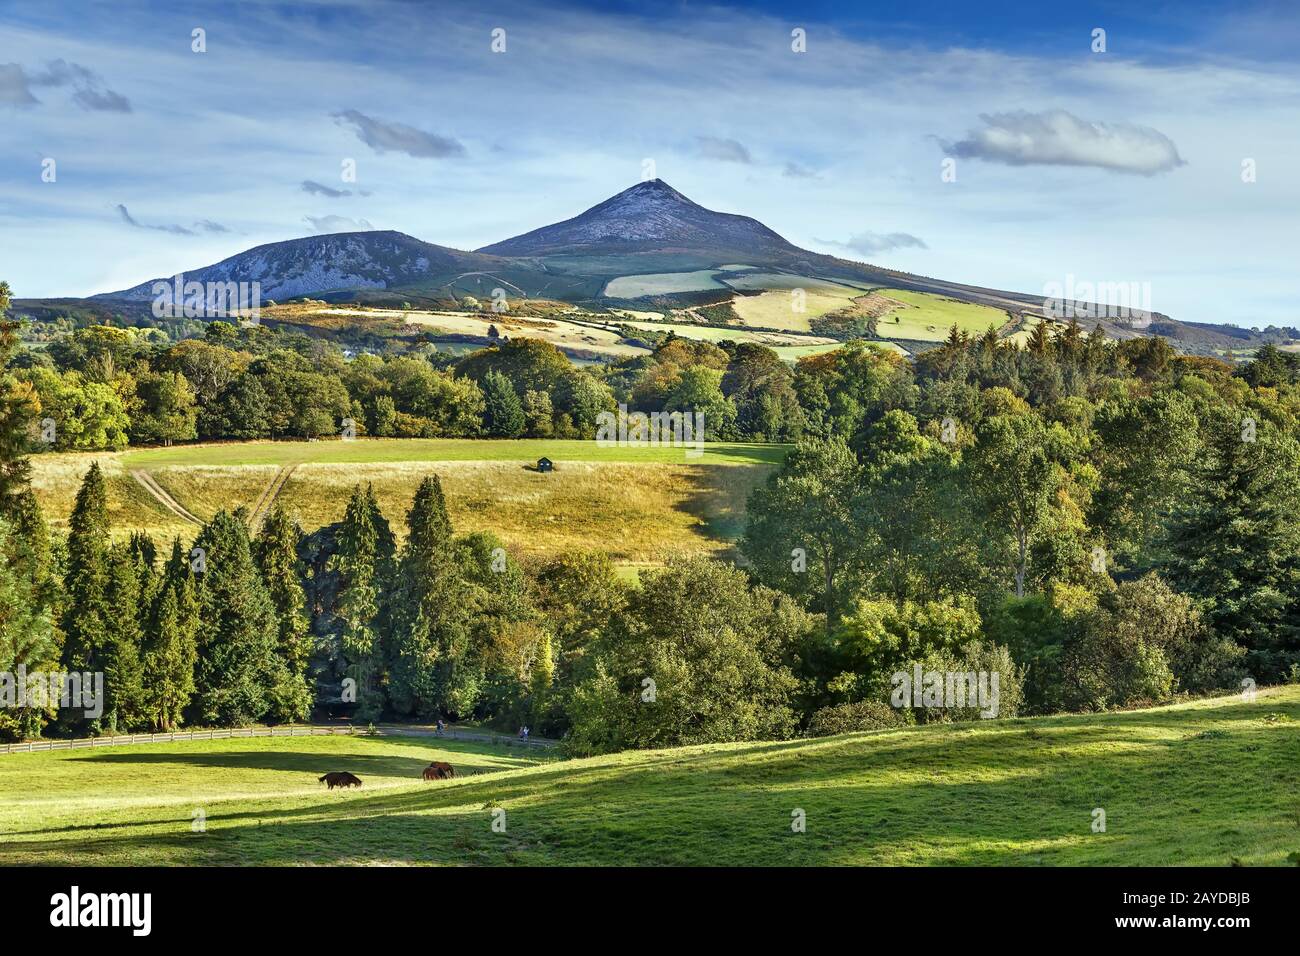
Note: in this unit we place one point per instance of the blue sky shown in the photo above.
(1108, 167)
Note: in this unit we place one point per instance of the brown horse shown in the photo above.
(341, 778)
(439, 771)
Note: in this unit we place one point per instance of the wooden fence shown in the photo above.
(120, 740)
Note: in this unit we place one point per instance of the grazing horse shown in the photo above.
(341, 778)
(439, 771)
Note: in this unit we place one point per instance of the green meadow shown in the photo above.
(1206, 783)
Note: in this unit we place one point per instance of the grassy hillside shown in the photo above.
(1206, 783)
(638, 504)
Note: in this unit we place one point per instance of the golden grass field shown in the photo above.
(639, 512)
(562, 334)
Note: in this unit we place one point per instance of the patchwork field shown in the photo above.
(900, 314)
(564, 335)
(640, 505)
(923, 317)
(734, 333)
(774, 308)
(1209, 783)
(663, 283)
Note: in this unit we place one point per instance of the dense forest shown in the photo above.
(1101, 524)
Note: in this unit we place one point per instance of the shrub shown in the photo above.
(851, 718)
(980, 658)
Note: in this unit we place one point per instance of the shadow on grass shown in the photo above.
(993, 794)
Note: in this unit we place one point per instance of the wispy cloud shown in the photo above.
(861, 128)
(89, 91)
(797, 171)
(105, 100)
(337, 224)
(1059, 138)
(384, 136)
(320, 189)
(202, 226)
(15, 86)
(726, 150)
(872, 243)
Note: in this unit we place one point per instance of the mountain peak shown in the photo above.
(647, 217)
(654, 187)
(310, 265)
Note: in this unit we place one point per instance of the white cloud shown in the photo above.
(871, 243)
(89, 91)
(15, 87)
(726, 150)
(1059, 138)
(320, 189)
(203, 225)
(565, 119)
(387, 136)
(337, 224)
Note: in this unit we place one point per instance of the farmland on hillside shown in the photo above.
(923, 317)
(641, 505)
(664, 283)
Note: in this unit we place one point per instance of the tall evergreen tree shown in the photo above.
(32, 551)
(503, 412)
(237, 628)
(431, 636)
(171, 652)
(1236, 541)
(27, 637)
(123, 667)
(86, 611)
(276, 551)
(365, 549)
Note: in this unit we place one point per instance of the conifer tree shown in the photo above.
(171, 652)
(31, 552)
(276, 551)
(431, 634)
(365, 550)
(169, 663)
(1236, 541)
(27, 637)
(86, 611)
(503, 414)
(237, 629)
(123, 668)
(145, 555)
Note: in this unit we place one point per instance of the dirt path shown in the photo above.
(269, 494)
(146, 481)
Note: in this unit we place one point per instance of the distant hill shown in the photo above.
(652, 217)
(318, 264)
(649, 229)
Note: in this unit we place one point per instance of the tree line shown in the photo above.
(104, 387)
(1100, 524)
